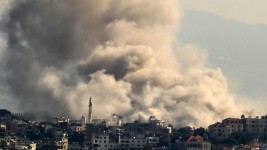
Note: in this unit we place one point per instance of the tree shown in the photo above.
(199, 131)
(243, 137)
(184, 133)
(230, 141)
(243, 116)
(3, 144)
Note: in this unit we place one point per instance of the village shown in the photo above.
(61, 133)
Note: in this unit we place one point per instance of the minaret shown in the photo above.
(90, 111)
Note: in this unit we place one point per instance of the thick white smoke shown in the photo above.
(119, 52)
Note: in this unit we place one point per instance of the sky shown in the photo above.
(233, 33)
(54, 58)
(248, 11)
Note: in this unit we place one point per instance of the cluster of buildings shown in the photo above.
(252, 132)
(224, 129)
(192, 143)
(256, 126)
(61, 133)
(153, 134)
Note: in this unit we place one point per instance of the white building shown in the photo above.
(193, 143)
(133, 143)
(59, 120)
(101, 142)
(256, 125)
(83, 120)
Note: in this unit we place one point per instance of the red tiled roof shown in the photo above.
(195, 138)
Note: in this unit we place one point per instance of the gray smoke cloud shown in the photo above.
(60, 52)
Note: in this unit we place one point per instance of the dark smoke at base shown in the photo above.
(119, 52)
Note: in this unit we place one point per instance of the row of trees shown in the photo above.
(238, 138)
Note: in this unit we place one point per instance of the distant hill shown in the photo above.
(238, 48)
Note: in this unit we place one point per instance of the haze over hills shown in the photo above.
(238, 48)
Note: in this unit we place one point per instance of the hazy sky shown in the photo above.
(249, 11)
(234, 30)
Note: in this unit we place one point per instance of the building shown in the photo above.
(77, 128)
(62, 144)
(77, 146)
(152, 140)
(59, 120)
(102, 142)
(192, 143)
(224, 129)
(254, 145)
(154, 121)
(83, 120)
(256, 125)
(133, 142)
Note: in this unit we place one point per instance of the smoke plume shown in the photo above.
(122, 53)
